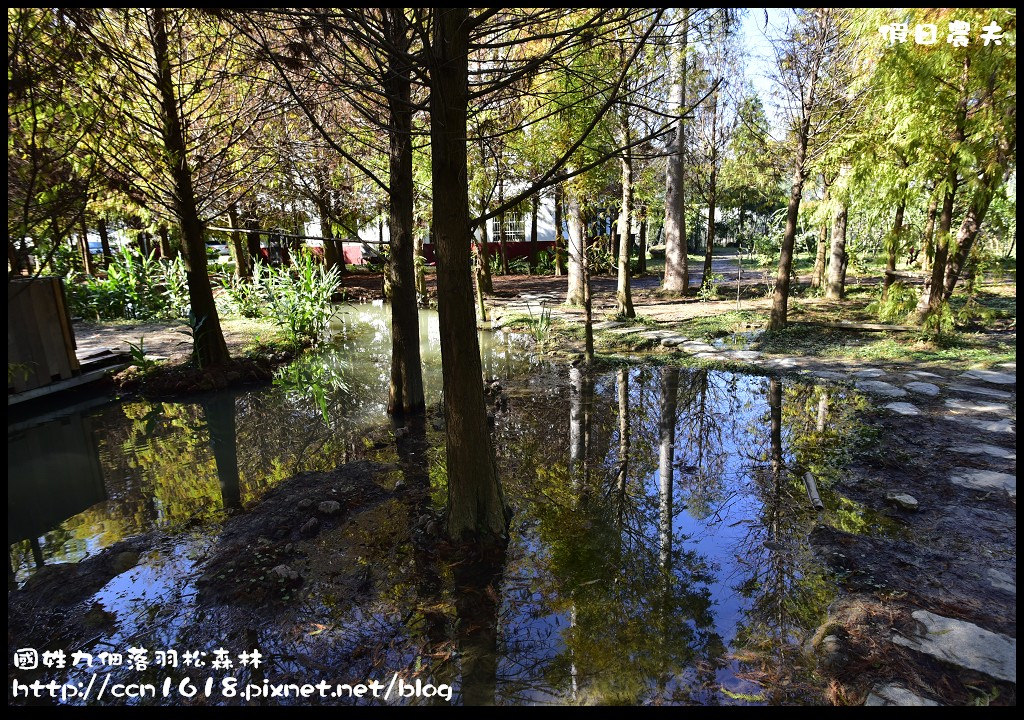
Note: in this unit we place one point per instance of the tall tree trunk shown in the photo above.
(559, 235)
(327, 233)
(588, 314)
(502, 230)
(932, 297)
(891, 245)
(476, 507)
(533, 231)
(780, 299)
(210, 349)
(83, 244)
(818, 273)
(927, 249)
(968, 232)
(405, 393)
(709, 245)
(108, 256)
(836, 288)
(641, 242)
(219, 411)
(482, 249)
(252, 240)
(666, 456)
(577, 251)
(421, 268)
(238, 246)
(163, 232)
(622, 468)
(623, 293)
(677, 279)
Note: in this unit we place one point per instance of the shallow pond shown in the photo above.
(659, 549)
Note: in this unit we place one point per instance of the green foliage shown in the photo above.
(137, 287)
(138, 353)
(709, 289)
(540, 326)
(546, 262)
(897, 306)
(296, 298)
(600, 259)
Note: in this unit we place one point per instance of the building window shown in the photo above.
(514, 228)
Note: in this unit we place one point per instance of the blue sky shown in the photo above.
(754, 34)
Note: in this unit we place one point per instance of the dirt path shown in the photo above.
(166, 339)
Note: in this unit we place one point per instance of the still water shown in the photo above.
(659, 549)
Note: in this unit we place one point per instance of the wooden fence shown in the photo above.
(40, 341)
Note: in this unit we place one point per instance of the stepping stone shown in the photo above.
(922, 374)
(991, 376)
(974, 390)
(625, 331)
(964, 644)
(673, 340)
(696, 347)
(743, 355)
(868, 373)
(987, 480)
(995, 426)
(885, 695)
(984, 449)
(783, 362)
(1001, 580)
(903, 408)
(1008, 365)
(829, 374)
(608, 325)
(977, 406)
(655, 334)
(922, 388)
(877, 387)
(707, 355)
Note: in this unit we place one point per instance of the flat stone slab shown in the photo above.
(903, 408)
(673, 340)
(608, 325)
(877, 387)
(977, 406)
(987, 480)
(705, 355)
(744, 355)
(1008, 365)
(922, 374)
(985, 449)
(975, 390)
(829, 374)
(891, 694)
(783, 362)
(696, 347)
(655, 334)
(625, 331)
(1001, 580)
(995, 426)
(964, 644)
(922, 388)
(991, 376)
(868, 373)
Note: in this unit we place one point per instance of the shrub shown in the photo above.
(898, 304)
(137, 287)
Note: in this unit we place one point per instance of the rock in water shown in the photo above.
(903, 500)
(964, 644)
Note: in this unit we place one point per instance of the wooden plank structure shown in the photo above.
(40, 340)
